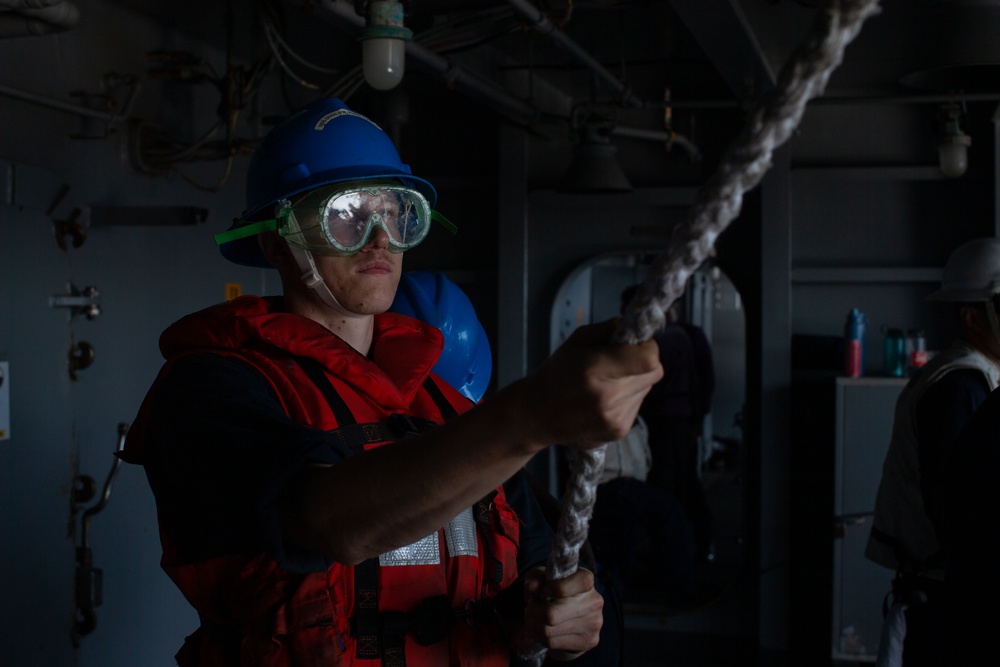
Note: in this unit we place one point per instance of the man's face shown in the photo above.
(364, 283)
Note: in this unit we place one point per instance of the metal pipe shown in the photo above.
(21, 18)
(18, 5)
(936, 98)
(459, 77)
(455, 76)
(888, 98)
(542, 23)
(660, 136)
(106, 492)
(76, 109)
(996, 172)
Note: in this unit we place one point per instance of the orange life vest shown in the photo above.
(422, 605)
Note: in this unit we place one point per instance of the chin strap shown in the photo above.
(312, 279)
(307, 265)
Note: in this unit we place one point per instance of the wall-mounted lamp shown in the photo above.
(953, 144)
(594, 167)
(383, 44)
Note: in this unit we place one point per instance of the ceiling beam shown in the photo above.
(722, 31)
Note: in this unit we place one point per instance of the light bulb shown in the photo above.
(383, 62)
(953, 155)
(383, 44)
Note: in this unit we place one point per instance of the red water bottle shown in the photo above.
(854, 343)
(916, 350)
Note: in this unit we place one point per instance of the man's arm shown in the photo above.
(586, 394)
(219, 449)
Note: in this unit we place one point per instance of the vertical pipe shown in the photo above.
(768, 465)
(996, 172)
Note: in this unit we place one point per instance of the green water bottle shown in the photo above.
(894, 353)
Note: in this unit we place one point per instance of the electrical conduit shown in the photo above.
(24, 18)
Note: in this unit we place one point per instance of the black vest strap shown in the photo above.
(393, 639)
(354, 435)
(481, 513)
(366, 630)
(316, 373)
(447, 410)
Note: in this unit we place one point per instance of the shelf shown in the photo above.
(820, 175)
(807, 276)
(872, 381)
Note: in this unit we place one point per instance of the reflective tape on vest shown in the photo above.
(460, 537)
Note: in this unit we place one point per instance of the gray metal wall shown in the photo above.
(147, 276)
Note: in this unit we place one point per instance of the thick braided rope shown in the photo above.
(772, 122)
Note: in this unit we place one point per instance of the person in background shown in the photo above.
(932, 409)
(629, 513)
(674, 412)
(323, 497)
(970, 536)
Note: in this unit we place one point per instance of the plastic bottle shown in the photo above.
(916, 350)
(854, 343)
(894, 353)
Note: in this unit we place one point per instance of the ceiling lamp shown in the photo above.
(962, 52)
(953, 144)
(594, 167)
(383, 44)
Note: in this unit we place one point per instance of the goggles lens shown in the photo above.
(342, 221)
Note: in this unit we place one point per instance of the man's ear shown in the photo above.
(274, 248)
(971, 317)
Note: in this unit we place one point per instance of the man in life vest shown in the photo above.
(323, 496)
(930, 413)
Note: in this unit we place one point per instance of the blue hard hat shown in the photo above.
(322, 143)
(466, 362)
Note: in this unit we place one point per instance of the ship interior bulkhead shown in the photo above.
(575, 144)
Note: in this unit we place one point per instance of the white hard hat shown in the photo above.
(972, 272)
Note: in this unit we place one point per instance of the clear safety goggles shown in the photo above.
(337, 221)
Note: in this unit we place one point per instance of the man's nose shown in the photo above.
(378, 240)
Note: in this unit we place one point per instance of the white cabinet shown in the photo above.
(864, 415)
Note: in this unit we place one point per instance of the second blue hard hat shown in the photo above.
(466, 362)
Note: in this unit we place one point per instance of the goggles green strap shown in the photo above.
(247, 230)
(444, 222)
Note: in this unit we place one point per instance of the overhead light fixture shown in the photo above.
(383, 44)
(595, 167)
(953, 144)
